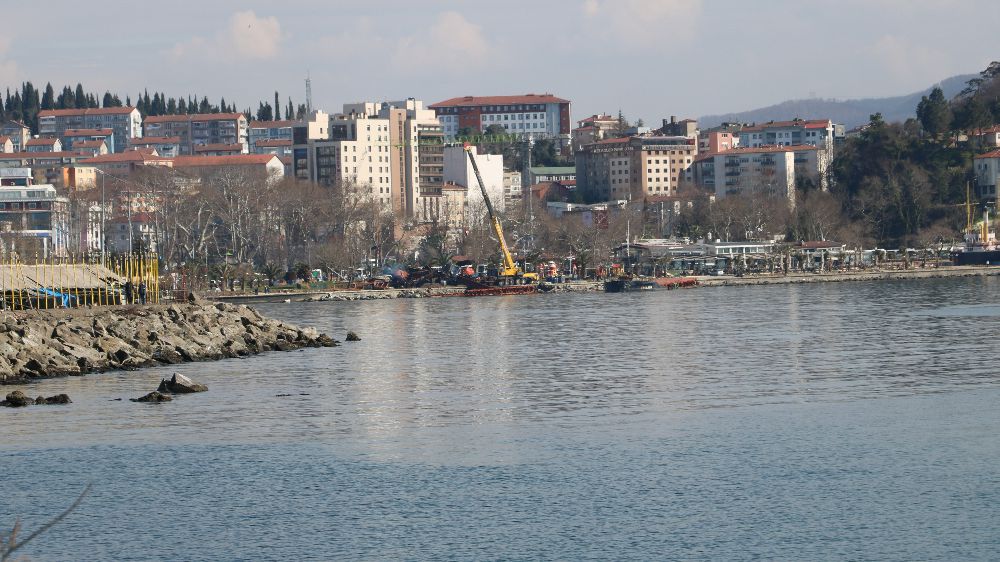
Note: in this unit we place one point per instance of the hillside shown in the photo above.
(851, 113)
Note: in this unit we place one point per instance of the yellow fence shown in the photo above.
(69, 282)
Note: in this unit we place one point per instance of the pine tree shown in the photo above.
(171, 106)
(80, 97)
(49, 97)
(107, 101)
(181, 106)
(289, 109)
(222, 106)
(934, 113)
(277, 107)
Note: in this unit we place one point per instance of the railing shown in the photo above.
(51, 283)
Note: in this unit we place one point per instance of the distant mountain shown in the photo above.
(851, 113)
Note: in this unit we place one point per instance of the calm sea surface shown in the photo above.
(842, 421)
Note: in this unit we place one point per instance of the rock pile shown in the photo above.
(18, 399)
(48, 343)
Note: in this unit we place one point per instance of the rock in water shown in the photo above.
(153, 397)
(57, 399)
(17, 399)
(179, 384)
(351, 336)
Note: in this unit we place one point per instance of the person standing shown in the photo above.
(142, 292)
(127, 289)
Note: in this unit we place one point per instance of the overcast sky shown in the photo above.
(651, 58)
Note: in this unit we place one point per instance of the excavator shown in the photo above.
(509, 273)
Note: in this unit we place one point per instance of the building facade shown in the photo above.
(987, 169)
(18, 132)
(458, 171)
(530, 115)
(766, 170)
(33, 217)
(200, 130)
(126, 122)
(390, 151)
(635, 167)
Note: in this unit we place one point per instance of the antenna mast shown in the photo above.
(309, 94)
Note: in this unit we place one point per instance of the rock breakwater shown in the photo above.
(48, 343)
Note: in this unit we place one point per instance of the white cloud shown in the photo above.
(451, 44)
(643, 22)
(246, 37)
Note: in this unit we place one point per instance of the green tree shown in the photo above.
(934, 113)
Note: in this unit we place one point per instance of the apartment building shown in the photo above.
(683, 128)
(768, 170)
(816, 132)
(263, 131)
(529, 115)
(72, 136)
(595, 128)
(391, 151)
(458, 171)
(43, 145)
(33, 217)
(718, 139)
(201, 130)
(987, 170)
(267, 164)
(126, 122)
(167, 147)
(125, 164)
(18, 132)
(635, 167)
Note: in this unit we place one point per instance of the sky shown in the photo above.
(648, 58)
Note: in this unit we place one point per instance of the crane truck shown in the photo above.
(509, 273)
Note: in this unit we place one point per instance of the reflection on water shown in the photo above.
(564, 425)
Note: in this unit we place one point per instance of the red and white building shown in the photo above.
(528, 115)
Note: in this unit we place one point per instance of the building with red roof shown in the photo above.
(527, 115)
(125, 121)
(635, 167)
(987, 169)
(200, 129)
(814, 132)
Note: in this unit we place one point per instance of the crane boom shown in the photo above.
(509, 267)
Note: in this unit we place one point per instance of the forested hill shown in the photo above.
(851, 113)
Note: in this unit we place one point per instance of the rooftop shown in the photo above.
(990, 154)
(274, 142)
(138, 156)
(498, 100)
(40, 142)
(807, 124)
(87, 111)
(228, 160)
(274, 124)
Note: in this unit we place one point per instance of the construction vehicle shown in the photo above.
(509, 273)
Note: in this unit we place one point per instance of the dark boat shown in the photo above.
(626, 284)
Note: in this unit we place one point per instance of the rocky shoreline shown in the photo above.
(49, 343)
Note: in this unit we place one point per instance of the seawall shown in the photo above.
(835, 276)
(47, 343)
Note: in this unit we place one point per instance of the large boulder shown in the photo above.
(17, 399)
(153, 397)
(179, 384)
(57, 399)
(351, 336)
